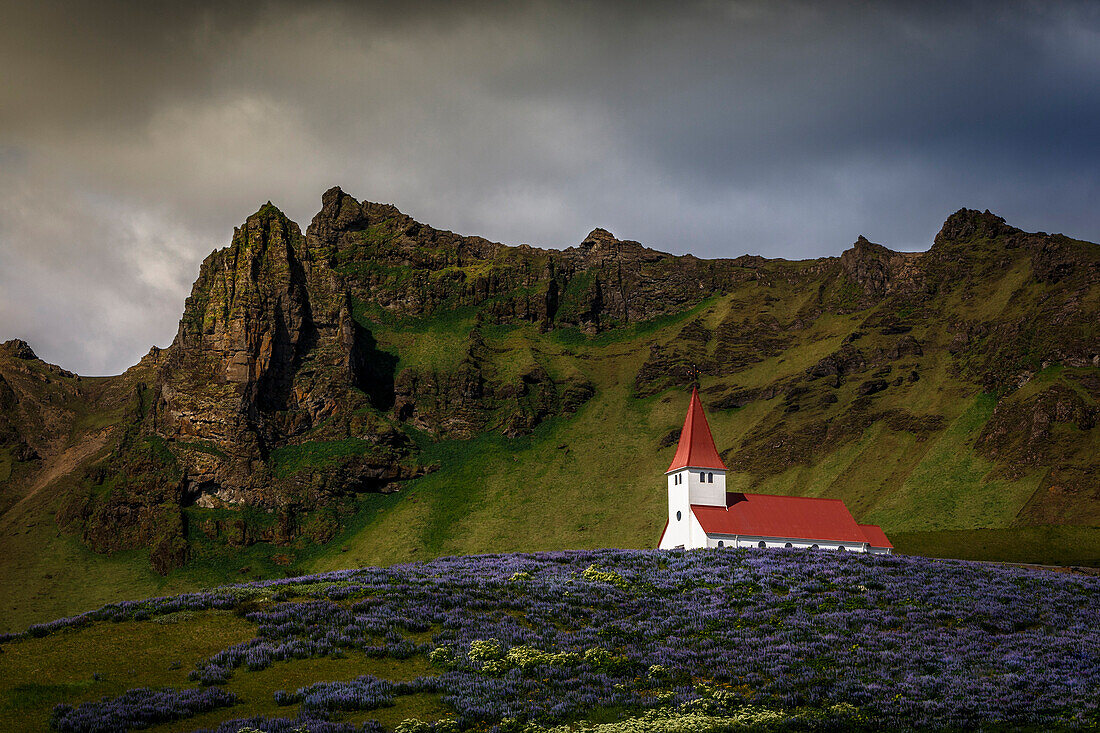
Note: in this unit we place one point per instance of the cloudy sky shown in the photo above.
(134, 136)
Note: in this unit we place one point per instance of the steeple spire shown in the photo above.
(696, 448)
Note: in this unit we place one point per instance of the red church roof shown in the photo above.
(793, 517)
(696, 448)
(874, 535)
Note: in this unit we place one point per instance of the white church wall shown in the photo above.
(697, 535)
(747, 542)
(705, 486)
(677, 533)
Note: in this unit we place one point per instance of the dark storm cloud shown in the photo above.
(134, 136)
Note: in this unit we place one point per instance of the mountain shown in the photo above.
(375, 390)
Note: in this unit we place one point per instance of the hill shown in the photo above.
(605, 641)
(375, 390)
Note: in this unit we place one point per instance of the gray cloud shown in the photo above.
(133, 137)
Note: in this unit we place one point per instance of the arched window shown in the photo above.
(762, 544)
(710, 478)
(678, 515)
(721, 543)
(840, 548)
(788, 545)
(702, 477)
(813, 547)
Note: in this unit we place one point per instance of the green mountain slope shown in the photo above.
(376, 391)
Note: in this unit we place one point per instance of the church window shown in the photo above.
(721, 543)
(678, 515)
(813, 547)
(710, 478)
(840, 549)
(788, 545)
(763, 543)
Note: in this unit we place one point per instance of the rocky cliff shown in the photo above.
(274, 393)
(311, 368)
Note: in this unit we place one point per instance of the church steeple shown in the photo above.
(696, 448)
(702, 514)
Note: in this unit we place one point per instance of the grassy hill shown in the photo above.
(603, 642)
(949, 396)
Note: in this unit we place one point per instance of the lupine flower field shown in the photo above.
(614, 641)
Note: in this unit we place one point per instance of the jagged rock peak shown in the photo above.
(968, 223)
(865, 246)
(341, 212)
(338, 212)
(598, 237)
(874, 268)
(335, 201)
(266, 213)
(20, 349)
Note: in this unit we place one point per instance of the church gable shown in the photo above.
(702, 514)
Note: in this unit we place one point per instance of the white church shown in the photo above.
(702, 514)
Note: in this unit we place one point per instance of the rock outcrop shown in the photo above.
(271, 395)
(878, 271)
(308, 367)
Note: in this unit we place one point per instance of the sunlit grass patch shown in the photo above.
(105, 659)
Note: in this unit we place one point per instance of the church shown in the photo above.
(702, 514)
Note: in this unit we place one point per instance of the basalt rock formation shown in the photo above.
(309, 368)
(274, 393)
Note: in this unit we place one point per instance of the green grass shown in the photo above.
(47, 574)
(857, 470)
(500, 494)
(96, 419)
(438, 343)
(593, 479)
(316, 454)
(794, 360)
(256, 690)
(954, 488)
(213, 562)
(1054, 545)
(106, 659)
(573, 336)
